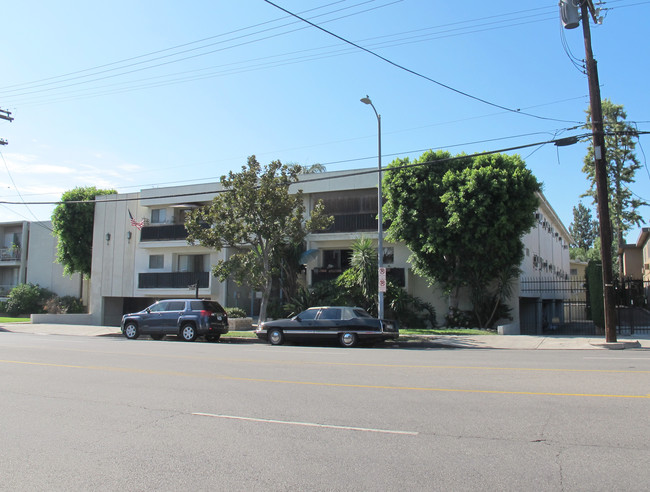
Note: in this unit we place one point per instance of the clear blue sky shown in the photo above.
(131, 95)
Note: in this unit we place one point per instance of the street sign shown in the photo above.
(382, 279)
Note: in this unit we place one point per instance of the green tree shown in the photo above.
(362, 278)
(583, 229)
(463, 219)
(622, 164)
(72, 224)
(255, 216)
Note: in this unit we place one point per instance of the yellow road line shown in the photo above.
(324, 384)
(362, 364)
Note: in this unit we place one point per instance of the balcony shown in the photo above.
(173, 280)
(163, 233)
(9, 254)
(396, 275)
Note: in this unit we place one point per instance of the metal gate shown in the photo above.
(562, 307)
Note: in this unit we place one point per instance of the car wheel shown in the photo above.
(188, 332)
(276, 337)
(348, 339)
(131, 330)
(213, 337)
(157, 337)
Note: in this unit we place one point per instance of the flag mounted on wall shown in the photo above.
(135, 223)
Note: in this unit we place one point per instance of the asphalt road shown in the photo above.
(94, 413)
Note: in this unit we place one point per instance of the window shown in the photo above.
(191, 263)
(337, 259)
(159, 306)
(158, 216)
(331, 313)
(176, 306)
(156, 261)
(309, 314)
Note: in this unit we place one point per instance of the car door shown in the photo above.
(170, 316)
(328, 323)
(152, 322)
(301, 325)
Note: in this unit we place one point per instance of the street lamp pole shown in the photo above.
(380, 232)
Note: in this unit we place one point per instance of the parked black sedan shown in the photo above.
(350, 325)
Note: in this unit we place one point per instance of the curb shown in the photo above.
(617, 345)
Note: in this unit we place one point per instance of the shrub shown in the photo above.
(27, 299)
(63, 305)
(456, 318)
(235, 312)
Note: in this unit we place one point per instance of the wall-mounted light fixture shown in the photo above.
(129, 235)
(108, 237)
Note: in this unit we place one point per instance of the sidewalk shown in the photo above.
(520, 342)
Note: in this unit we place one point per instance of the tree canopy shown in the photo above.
(583, 229)
(463, 218)
(622, 164)
(255, 216)
(72, 224)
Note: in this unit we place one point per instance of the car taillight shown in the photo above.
(209, 314)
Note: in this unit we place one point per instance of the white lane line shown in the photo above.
(307, 424)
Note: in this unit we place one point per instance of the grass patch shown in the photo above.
(448, 331)
(240, 334)
(7, 319)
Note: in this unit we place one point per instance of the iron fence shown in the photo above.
(563, 307)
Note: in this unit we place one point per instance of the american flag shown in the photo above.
(135, 223)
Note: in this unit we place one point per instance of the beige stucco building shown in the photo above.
(131, 267)
(28, 255)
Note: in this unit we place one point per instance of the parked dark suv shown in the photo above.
(187, 318)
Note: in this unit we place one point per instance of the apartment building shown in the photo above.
(140, 249)
(28, 255)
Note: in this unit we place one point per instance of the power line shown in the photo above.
(413, 72)
(112, 75)
(307, 180)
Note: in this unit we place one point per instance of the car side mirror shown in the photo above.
(148, 310)
(298, 318)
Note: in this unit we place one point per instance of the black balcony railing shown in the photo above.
(173, 280)
(163, 233)
(396, 275)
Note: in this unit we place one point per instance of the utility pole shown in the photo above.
(602, 190)
(5, 115)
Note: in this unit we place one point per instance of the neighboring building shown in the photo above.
(13, 257)
(636, 257)
(131, 268)
(28, 255)
(636, 267)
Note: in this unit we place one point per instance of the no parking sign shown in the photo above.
(382, 279)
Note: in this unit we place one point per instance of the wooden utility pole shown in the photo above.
(5, 115)
(602, 190)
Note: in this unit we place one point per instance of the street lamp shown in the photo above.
(380, 233)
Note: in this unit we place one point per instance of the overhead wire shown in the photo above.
(112, 75)
(253, 65)
(304, 180)
(16, 187)
(413, 72)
